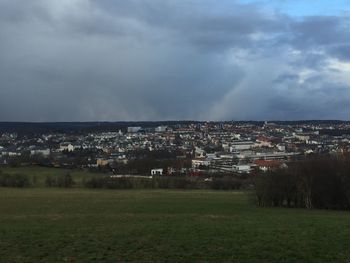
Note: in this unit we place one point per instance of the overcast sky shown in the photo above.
(111, 60)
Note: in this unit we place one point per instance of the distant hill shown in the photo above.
(84, 127)
(77, 127)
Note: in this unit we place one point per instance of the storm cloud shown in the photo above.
(84, 60)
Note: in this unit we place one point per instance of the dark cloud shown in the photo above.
(147, 60)
(312, 103)
(318, 31)
(285, 77)
(341, 51)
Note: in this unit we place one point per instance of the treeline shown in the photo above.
(66, 180)
(167, 182)
(14, 180)
(23, 128)
(317, 182)
(21, 180)
(335, 132)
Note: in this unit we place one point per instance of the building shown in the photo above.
(241, 146)
(41, 151)
(101, 162)
(269, 165)
(12, 151)
(158, 171)
(281, 147)
(161, 129)
(66, 146)
(264, 141)
(242, 168)
(267, 156)
(196, 163)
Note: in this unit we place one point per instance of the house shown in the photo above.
(301, 137)
(241, 145)
(198, 162)
(66, 146)
(12, 151)
(161, 129)
(281, 147)
(242, 168)
(102, 162)
(199, 152)
(264, 141)
(40, 150)
(269, 165)
(158, 171)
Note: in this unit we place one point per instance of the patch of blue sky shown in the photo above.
(302, 8)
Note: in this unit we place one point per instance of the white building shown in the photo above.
(242, 168)
(199, 152)
(302, 137)
(200, 162)
(11, 153)
(161, 129)
(241, 145)
(281, 147)
(67, 147)
(266, 156)
(158, 171)
(45, 152)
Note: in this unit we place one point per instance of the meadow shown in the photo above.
(85, 225)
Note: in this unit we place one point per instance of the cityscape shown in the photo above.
(193, 148)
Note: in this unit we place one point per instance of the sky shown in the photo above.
(117, 60)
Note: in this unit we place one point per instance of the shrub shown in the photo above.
(226, 183)
(14, 180)
(65, 181)
(321, 182)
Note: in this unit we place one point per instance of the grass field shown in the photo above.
(82, 225)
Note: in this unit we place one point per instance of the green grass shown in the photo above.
(82, 225)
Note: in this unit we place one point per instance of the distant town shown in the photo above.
(188, 149)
